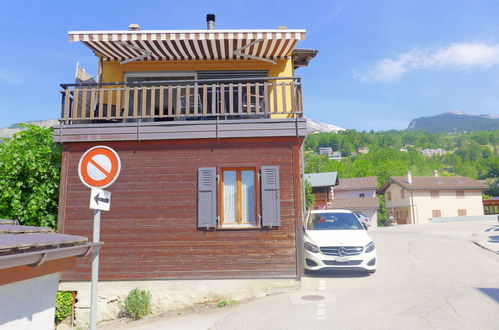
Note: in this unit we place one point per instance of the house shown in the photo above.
(325, 150)
(209, 127)
(31, 260)
(415, 200)
(358, 195)
(403, 149)
(433, 152)
(335, 155)
(363, 150)
(355, 194)
(491, 205)
(322, 187)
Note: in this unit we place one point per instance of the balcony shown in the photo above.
(174, 100)
(181, 109)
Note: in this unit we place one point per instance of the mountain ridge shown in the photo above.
(455, 121)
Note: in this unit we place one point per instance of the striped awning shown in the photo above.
(190, 45)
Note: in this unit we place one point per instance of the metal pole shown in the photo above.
(95, 273)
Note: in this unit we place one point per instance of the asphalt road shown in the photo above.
(429, 277)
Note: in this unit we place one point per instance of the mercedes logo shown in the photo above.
(342, 251)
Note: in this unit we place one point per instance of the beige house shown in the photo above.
(414, 200)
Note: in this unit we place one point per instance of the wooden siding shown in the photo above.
(174, 130)
(150, 231)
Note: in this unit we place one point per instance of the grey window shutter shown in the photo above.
(271, 208)
(207, 197)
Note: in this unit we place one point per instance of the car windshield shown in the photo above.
(333, 221)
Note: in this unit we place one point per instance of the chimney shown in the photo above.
(210, 20)
(133, 27)
(435, 173)
(409, 177)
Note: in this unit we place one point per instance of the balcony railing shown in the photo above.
(243, 98)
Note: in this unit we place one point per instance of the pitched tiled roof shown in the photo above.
(354, 204)
(326, 179)
(370, 182)
(436, 183)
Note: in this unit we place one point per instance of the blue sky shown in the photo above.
(381, 63)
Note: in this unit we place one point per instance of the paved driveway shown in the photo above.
(429, 277)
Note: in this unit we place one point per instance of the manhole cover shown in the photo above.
(312, 297)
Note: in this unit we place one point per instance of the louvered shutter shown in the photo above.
(207, 197)
(271, 208)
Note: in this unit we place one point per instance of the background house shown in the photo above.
(491, 205)
(358, 195)
(414, 200)
(355, 194)
(322, 184)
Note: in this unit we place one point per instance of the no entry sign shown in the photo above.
(99, 167)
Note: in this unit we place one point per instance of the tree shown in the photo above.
(309, 196)
(29, 177)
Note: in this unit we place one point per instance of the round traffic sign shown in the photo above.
(99, 167)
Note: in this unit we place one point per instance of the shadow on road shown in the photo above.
(335, 273)
(491, 292)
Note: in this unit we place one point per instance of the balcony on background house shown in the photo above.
(181, 100)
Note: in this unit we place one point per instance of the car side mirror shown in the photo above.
(364, 225)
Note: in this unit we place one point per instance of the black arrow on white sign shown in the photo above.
(98, 199)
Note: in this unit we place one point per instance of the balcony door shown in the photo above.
(175, 78)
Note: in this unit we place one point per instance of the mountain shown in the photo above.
(455, 121)
(14, 128)
(316, 127)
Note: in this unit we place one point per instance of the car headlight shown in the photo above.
(370, 247)
(312, 248)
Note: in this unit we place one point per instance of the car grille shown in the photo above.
(349, 250)
(342, 263)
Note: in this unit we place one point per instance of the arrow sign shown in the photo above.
(100, 199)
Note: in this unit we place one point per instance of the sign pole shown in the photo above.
(98, 168)
(95, 273)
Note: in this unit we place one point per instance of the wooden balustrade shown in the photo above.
(196, 99)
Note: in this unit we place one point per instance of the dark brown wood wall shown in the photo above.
(150, 231)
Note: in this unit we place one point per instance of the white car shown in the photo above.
(336, 239)
(363, 218)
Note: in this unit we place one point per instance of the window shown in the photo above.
(235, 198)
(461, 212)
(460, 193)
(436, 213)
(434, 193)
(238, 197)
(389, 195)
(334, 221)
(402, 193)
(362, 195)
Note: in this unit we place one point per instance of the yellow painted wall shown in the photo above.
(115, 72)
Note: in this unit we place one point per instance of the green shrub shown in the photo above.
(137, 304)
(63, 304)
(226, 303)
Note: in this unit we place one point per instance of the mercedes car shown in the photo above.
(337, 239)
